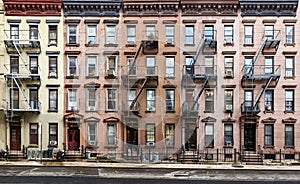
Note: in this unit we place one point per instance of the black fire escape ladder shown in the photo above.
(139, 93)
(135, 58)
(262, 92)
(258, 53)
(199, 49)
(200, 92)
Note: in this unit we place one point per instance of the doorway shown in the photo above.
(250, 136)
(73, 137)
(15, 136)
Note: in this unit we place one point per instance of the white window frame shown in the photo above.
(290, 34)
(110, 59)
(91, 135)
(170, 99)
(150, 99)
(110, 34)
(269, 135)
(170, 66)
(92, 60)
(150, 133)
(289, 100)
(189, 34)
(170, 134)
(249, 33)
(170, 34)
(69, 66)
(228, 134)
(131, 36)
(131, 97)
(209, 135)
(72, 34)
(228, 34)
(150, 64)
(91, 34)
(111, 99)
(289, 66)
(92, 100)
(72, 99)
(111, 134)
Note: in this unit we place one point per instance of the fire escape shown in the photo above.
(267, 74)
(22, 78)
(138, 77)
(198, 75)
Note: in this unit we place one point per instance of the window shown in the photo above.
(170, 34)
(131, 97)
(189, 64)
(33, 98)
(248, 68)
(209, 135)
(110, 34)
(131, 32)
(269, 32)
(289, 135)
(131, 66)
(150, 63)
(111, 134)
(92, 134)
(52, 66)
(209, 100)
(170, 67)
(228, 34)
(14, 98)
(269, 104)
(228, 66)
(34, 32)
(150, 32)
(33, 64)
(92, 66)
(248, 34)
(91, 99)
(53, 99)
(269, 135)
(72, 99)
(228, 135)
(289, 66)
(72, 34)
(111, 65)
(111, 100)
(33, 133)
(150, 134)
(209, 64)
(248, 103)
(53, 134)
(189, 34)
(269, 62)
(14, 32)
(170, 100)
(92, 34)
(72, 71)
(52, 34)
(289, 33)
(289, 100)
(150, 104)
(228, 100)
(14, 64)
(170, 135)
(209, 32)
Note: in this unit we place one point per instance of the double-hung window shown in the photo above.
(111, 100)
(150, 100)
(53, 99)
(131, 66)
(170, 34)
(289, 100)
(150, 134)
(34, 32)
(209, 135)
(111, 134)
(72, 99)
(170, 135)
(111, 34)
(228, 63)
(228, 34)
(33, 133)
(289, 66)
(92, 66)
(189, 34)
(33, 64)
(170, 66)
(92, 34)
(72, 64)
(209, 100)
(131, 34)
(289, 135)
(131, 97)
(91, 99)
(72, 34)
(248, 39)
(228, 100)
(14, 32)
(269, 104)
(52, 66)
(111, 66)
(170, 100)
(150, 32)
(209, 32)
(14, 64)
(92, 134)
(269, 32)
(228, 134)
(52, 34)
(269, 65)
(53, 134)
(269, 135)
(289, 34)
(150, 64)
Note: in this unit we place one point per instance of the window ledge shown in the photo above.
(286, 112)
(209, 146)
(111, 146)
(72, 44)
(91, 45)
(92, 77)
(130, 45)
(169, 77)
(228, 111)
(91, 147)
(52, 146)
(228, 77)
(72, 111)
(72, 77)
(228, 44)
(289, 147)
(52, 110)
(50, 77)
(271, 111)
(107, 111)
(248, 45)
(227, 146)
(52, 44)
(170, 45)
(293, 77)
(169, 111)
(290, 44)
(189, 45)
(33, 146)
(209, 111)
(90, 110)
(269, 147)
(110, 77)
(110, 45)
(150, 111)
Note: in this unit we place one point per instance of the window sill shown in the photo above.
(52, 44)
(169, 111)
(269, 147)
(92, 77)
(110, 45)
(72, 111)
(170, 45)
(169, 77)
(209, 111)
(248, 45)
(33, 146)
(72, 77)
(228, 111)
(72, 44)
(228, 77)
(209, 146)
(91, 45)
(292, 77)
(228, 44)
(130, 45)
(150, 111)
(107, 111)
(92, 146)
(271, 112)
(227, 146)
(289, 147)
(90, 110)
(111, 146)
(110, 77)
(173, 146)
(52, 146)
(53, 111)
(286, 112)
(189, 45)
(290, 44)
(50, 77)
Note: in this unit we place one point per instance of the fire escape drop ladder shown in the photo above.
(200, 92)
(262, 92)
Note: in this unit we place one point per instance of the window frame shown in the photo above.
(150, 100)
(111, 139)
(34, 134)
(228, 34)
(72, 67)
(170, 37)
(290, 40)
(131, 38)
(33, 32)
(170, 99)
(91, 134)
(14, 64)
(289, 143)
(228, 66)
(228, 135)
(89, 35)
(150, 133)
(209, 136)
(269, 135)
(12, 31)
(248, 36)
(150, 65)
(92, 100)
(170, 135)
(72, 98)
(54, 100)
(209, 32)
(52, 35)
(112, 100)
(111, 64)
(53, 135)
(170, 66)
(53, 67)
(228, 100)
(189, 37)
(269, 69)
(269, 101)
(34, 64)
(209, 101)
(291, 106)
(72, 37)
(291, 68)
(130, 97)
(110, 35)
(90, 65)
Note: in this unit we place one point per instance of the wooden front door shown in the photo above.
(15, 136)
(73, 137)
(249, 136)
(131, 135)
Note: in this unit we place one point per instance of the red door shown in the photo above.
(15, 136)
(73, 137)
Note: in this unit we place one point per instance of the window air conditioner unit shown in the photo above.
(228, 107)
(52, 74)
(150, 109)
(228, 143)
(150, 144)
(169, 41)
(268, 108)
(92, 108)
(52, 42)
(53, 143)
(228, 41)
(111, 72)
(228, 73)
(92, 143)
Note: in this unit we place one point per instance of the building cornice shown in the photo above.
(268, 7)
(102, 8)
(32, 7)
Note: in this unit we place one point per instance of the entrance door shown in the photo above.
(131, 135)
(73, 137)
(190, 137)
(15, 136)
(249, 137)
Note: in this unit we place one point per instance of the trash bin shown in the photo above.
(60, 155)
